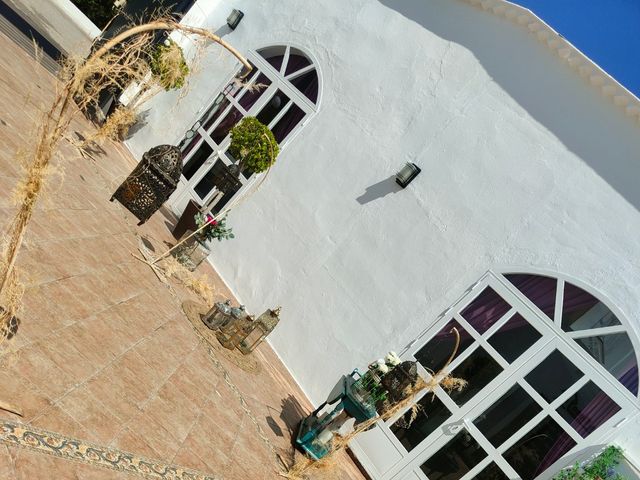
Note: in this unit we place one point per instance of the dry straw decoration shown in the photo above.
(302, 469)
(116, 63)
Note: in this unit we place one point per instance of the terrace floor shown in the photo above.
(105, 360)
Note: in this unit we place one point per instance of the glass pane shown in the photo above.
(214, 112)
(254, 91)
(582, 311)
(615, 352)
(203, 152)
(273, 107)
(437, 351)
(273, 55)
(540, 290)
(218, 177)
(485, 310)
(287, 123)
(514, 338)
(431, 415)
(478, 369)
(455, 459)
(224, 127)
(539, 449)
(307, 84)
(295, 63)
(553, 376)
(587, 409)
(491, 472)
(508, 415)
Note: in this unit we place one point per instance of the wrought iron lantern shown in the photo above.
(228, 332)
(260, 328)
(151, 182)
(219, 315)
(233, 20)
(407, 173)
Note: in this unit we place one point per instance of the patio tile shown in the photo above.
(20, 392)
(100, 424)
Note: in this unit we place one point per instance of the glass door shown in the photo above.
(531, 398)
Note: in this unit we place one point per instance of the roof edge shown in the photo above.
(597, 78)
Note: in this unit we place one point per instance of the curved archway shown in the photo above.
(584, 318)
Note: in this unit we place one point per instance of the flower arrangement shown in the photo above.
(214, 228)
(254, 145)
(169, 66)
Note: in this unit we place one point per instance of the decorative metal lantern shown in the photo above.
(407, 173)
(151, 183)
(260, 328)
(227, 332)
(219, 315)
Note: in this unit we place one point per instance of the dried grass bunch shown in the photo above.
(115, 64)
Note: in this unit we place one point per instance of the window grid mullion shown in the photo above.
(557, 316)
(596, 332)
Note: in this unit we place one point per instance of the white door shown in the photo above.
(532, 400)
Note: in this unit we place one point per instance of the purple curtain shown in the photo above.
(485, 310)
(540, 290)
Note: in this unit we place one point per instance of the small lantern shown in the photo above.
(407, 173)
(233, 20)
(218, 316)
(228, 330)
(241, 328)
(260, 328)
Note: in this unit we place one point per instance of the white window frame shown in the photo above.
(278, 82)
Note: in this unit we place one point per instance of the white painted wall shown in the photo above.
(60, 22)
(524, 164)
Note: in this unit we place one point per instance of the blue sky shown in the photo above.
(607, 31)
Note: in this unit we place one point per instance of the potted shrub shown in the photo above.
(253, 145)
(194, 250)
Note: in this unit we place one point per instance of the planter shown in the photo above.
(187, 220)
(192, 252)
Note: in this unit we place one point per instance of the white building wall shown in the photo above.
(60, 22)
(523, 164)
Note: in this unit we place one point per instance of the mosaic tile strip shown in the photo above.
(26, 436)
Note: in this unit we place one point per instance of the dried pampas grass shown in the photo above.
(306, 466)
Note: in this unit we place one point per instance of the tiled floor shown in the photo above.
(104, 352)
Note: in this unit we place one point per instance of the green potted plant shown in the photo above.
(168, 65)
(599, 468)
(253, 145)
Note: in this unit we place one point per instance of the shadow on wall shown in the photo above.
(379, 190)
(587, 124)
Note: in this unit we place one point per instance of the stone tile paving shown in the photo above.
(104, 353)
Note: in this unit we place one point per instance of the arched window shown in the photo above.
(551, 370)
(282, 91)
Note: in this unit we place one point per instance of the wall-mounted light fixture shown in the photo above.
(233, 20)
(407, 174)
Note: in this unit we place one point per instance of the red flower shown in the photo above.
(211, 221)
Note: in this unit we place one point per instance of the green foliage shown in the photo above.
(215, 228)
(599, 467)
(254, 145)
(169, 66)
(99, 12)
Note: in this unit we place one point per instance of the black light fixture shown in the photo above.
(233, 20)
(407, 173)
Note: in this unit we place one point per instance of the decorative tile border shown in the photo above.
(49, 443)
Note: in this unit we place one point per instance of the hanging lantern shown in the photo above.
(229, 330)
(219, 315)
(259, 330)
